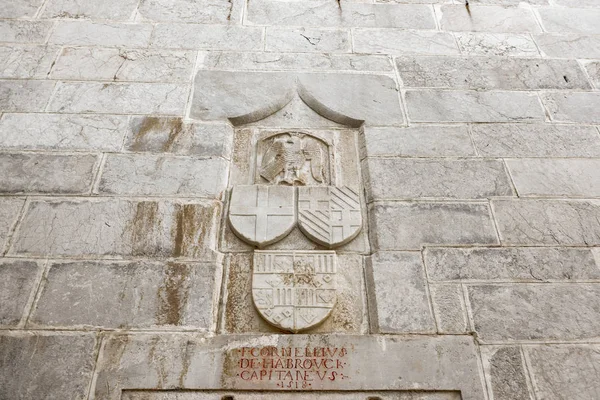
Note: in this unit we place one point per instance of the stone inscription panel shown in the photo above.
(225, 395)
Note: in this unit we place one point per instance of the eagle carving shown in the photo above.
(293, 159)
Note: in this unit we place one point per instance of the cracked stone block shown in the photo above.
(569, 45)
(23, 31)
(410, 225)
(207, 37)
(46, 365)
(555, 177)
(25, 96)
(194, 11)
(18, 279)
(115, 10)
(19, 9)
(455, 17)
(10, 207)
(396, 178)
(125, 295)
(517, 140)
(25, 61)
(473, 106)
(397, 41)
(47, 173)
(593, 70)
(548, 222)
(308, 40)
(88, 33)
(523, 264)
(569, 20)
(496, 44)
(562, 371)
(553, 311)
(449, 308)
(506, 373)
(398, 297)
(119, 227)
(573, 107)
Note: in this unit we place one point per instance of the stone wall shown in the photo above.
(125, 124)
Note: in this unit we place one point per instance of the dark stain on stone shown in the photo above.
(147, 125)
(173, 294)
(191, 229)
(174, 126)
(143, 228)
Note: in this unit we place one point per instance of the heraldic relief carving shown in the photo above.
(294, 290)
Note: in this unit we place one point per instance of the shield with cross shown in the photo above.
(261, 215)
(329, 215)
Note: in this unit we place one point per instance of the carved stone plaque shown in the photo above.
(261, 215)
(329, 215)
(294, 290)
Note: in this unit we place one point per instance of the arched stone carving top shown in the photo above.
(246, 97)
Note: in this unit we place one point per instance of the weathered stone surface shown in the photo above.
(22, 31)
(124, 295)
(556, 177)
(119, 227)
(496, 44)
(18, 279)
(137, 174)
(19, 9)
(452, 361)
(25, 96)
(62, 132)
(573, 106)
(87, 33)
(490, 73)
(256, 395)
(518, 140)
(172, 135)
(548, 222)
(537, 312)
(472, 106)
(396, 41)
(593, 71)
(410, 225)
(398, 297)
(347, 316)
(111, 64)
(207, 37)
(308, 40)
(570, 20)
(42, 365)
(456, 17)
(199, 12)
(25, 61)
(10, 207)
(524, 264)
(505, 372)
(449, 308)
(114, 10)
(396, 178)
(560, 370)
(119, 98)
(569, 45)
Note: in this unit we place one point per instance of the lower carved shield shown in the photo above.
(261, 215)
(294, 290)
(329, 215)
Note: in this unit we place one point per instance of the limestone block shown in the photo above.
(308, 40)
(115, 10)
(552, 311)
(570, 20)
(449, 308)
(511, 2)
(23, 31)
(552, 177)
(418, 141)
(256, 395)
(76, 63)
(593, 70)
(199, 12)
(398, 296)
(25, 96)
(119, 227)
(46, 365)
(548, 222)
(561, 371)
(490, 73)
(18, 279)
(579, 107)
(410, 225)
(330, 14)
(505, 140)
(506, 372)
(523, 264)
(396, 178)
(120, 98)
(121, 295)
(397, 41)
(579, 4)
(456, 17)
(569, 45)
(24, 61)
(163, 175)
(496, 44)
(47, 173)
(88, 33)
(172, 135)
(473, 106)
(19, 9)
(10, 207)
(207, 37)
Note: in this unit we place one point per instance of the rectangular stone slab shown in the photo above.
(224, 395)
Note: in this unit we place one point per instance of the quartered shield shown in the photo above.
(294, 290)
(261, 215)
(329, 215)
